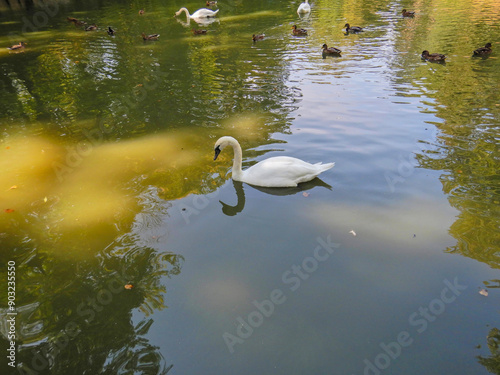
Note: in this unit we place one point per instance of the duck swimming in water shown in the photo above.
(433, 57)
(150, 37)
(17, 46)
(332, 51)
(483, 51)
(76, 22)
(198, 31)
(298, 32)
(352, 29)
(408, 14)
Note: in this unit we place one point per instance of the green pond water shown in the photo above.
(133, 252)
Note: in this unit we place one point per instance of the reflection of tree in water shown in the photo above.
(492, 363)
(138, 355)
(464, 98)
(471, 180)
(466, 151)
(74, 77)
(85, 322)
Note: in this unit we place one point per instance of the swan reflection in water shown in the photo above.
(240, 193)
(199, 21)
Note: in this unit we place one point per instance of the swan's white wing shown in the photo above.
(282, 171)
(204, 12)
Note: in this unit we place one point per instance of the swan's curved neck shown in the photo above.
(237, 172)
(183, 10)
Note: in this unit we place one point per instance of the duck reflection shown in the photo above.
(240, 193)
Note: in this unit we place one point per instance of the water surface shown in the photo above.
(108, 180)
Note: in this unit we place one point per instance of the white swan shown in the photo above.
(279, 171)
(304, 7)
(200, 13)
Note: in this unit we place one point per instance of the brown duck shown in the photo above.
(434, 57)
(150, 37)
(483, 51)
(256, 37)
(199, 31)
(17, 46)
(352, 29)
(76, 22)
(296, 31)
(332, 51)
(407, 13)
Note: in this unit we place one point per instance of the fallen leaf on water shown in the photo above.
(45, 199)
(483, 292)
(128, 286)
(7, 147)
(9, 210)
(353, 233)
(305, 194)
(13, 187)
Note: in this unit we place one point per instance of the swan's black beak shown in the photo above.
(217, 152)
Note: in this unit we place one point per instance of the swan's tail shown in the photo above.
(324, 167)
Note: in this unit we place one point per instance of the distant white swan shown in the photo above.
(200, 13)
(279, 171)
(304, 7)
